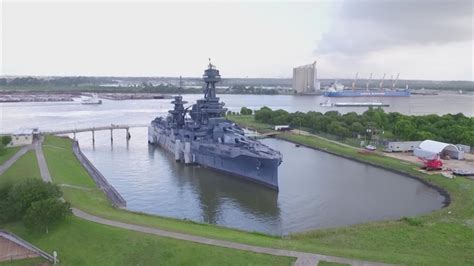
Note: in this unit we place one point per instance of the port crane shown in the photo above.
(368, 81)
(394, 83)
(355, 80)
(381, 82)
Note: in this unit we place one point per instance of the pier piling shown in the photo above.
(111, 135)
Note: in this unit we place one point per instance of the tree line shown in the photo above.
(450, 128)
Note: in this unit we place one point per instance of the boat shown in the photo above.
(368, 93)
(370, 148)
(366, 104)
(463, 172)
(338, 90)
(424, 92)
(93, 99)
(326, 104)
(200, 134)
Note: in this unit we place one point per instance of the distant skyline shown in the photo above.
(427, 39)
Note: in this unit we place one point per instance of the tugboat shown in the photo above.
(200, 134)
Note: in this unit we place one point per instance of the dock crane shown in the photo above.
(381, 82)
(355, 80)
(368, 82)
(394, 83)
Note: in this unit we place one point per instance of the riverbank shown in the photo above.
(440, 238)
(450, 228)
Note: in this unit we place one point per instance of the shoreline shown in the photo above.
(440, 190)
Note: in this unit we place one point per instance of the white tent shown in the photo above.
(430, 149)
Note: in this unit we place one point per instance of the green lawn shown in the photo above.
(80, 242)
(23, 262)
(7, 153)
(325, 263)
(444, 238)
(25, 167)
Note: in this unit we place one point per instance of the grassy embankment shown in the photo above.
(443, 237)
(7, 153)
(79, 242)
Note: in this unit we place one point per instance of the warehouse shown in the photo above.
(430, 149)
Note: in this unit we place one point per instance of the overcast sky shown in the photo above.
(420, 39)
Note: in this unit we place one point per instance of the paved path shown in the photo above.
(44, 171)
(303, 258)
(306, 133)
(14, 158)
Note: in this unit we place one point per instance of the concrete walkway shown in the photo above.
(303, 258)
(43, 167)
(14, 158)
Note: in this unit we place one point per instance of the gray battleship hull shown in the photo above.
(263, 171)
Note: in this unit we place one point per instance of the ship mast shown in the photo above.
(209, 107)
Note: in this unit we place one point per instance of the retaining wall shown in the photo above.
(99, 179)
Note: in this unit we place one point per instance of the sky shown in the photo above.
(423, 39)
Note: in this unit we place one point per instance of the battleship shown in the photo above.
(200, 134)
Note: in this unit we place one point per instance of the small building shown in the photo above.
(401, 146)
(23, 137)
(282, 128)
(430, 149)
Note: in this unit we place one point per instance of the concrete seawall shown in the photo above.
(99, 179)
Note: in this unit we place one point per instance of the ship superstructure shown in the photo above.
(200, 134)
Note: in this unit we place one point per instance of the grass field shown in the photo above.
(80, 242)
(25, 167)
(443, 237)
(7, 153)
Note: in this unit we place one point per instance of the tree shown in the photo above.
(23, 194)
(404, 128)
(357, 128)
(45, 213)
(264, 115)
(245, 111)
(6, 140)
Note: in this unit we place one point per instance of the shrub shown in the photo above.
(412, 221)
(22, 195)
(6, 140)
(45, 213)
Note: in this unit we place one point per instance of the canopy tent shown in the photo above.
(430, 149)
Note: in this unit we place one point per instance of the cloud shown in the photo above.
(367, 26)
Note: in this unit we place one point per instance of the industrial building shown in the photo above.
(305, 79)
